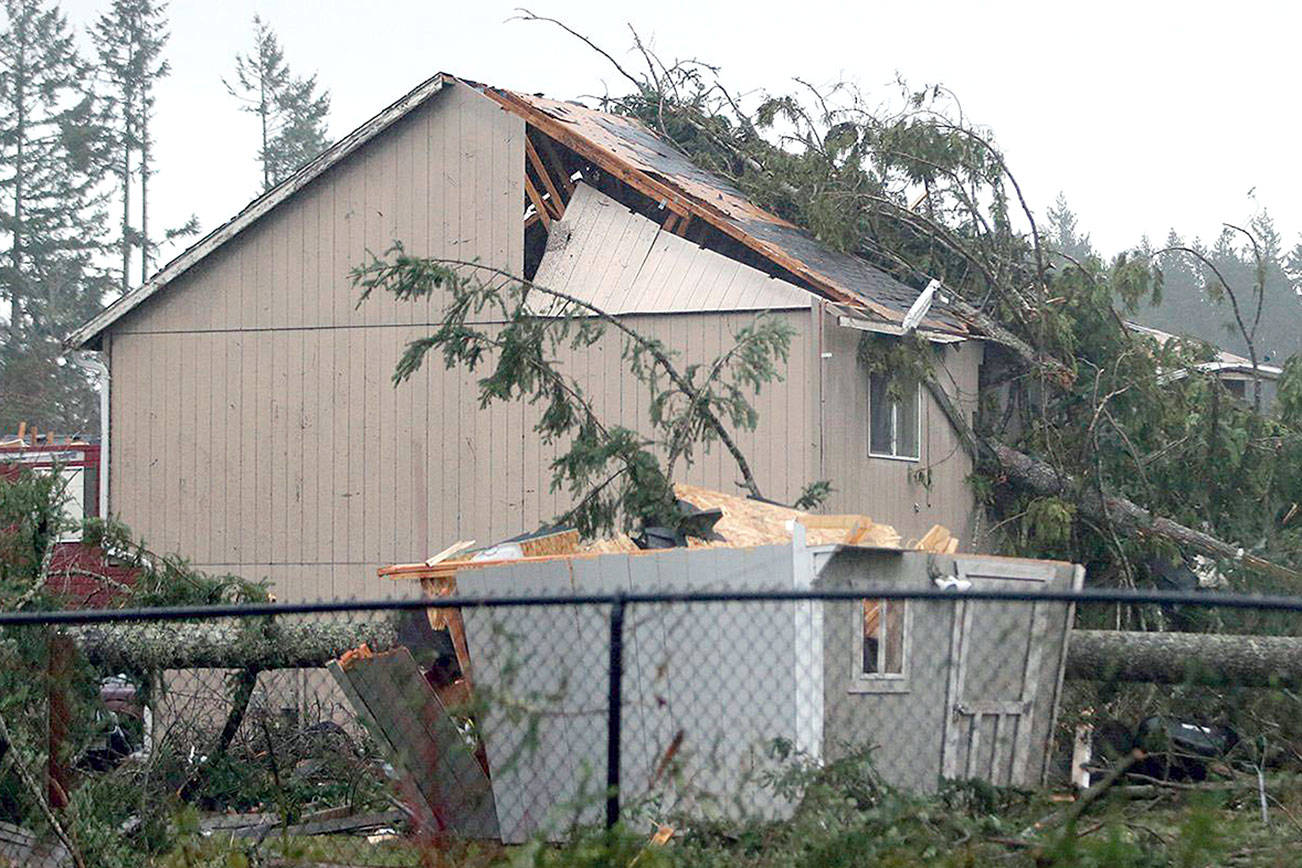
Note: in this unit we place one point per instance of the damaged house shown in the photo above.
(252, 424)
(253, 428)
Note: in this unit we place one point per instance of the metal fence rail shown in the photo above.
(539, 715)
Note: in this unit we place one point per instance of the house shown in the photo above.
(81, 574)
(718, 695)
(1234, 371)
(252, 422)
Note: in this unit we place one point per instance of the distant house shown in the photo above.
(253, 425)
(1234, 371)
(82, 574)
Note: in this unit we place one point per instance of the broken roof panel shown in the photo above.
(627, 150)
(1225, 360)
(621, 262)
(637, 156)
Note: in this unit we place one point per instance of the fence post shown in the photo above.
(614, 708)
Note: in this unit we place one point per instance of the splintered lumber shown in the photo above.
(229, 645)
(1185, 658)
(398, 706)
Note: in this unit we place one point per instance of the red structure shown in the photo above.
(84, 575)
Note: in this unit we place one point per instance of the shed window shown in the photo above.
(883, 638)
(893, 418)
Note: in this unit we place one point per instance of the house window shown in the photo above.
(893, 418)
(881, 647)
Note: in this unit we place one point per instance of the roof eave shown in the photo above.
(89, 335)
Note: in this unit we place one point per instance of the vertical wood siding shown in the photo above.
(888, 489)
(255, 427)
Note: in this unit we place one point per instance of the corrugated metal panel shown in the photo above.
(621, 262)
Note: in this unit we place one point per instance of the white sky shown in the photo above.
(1146, 115)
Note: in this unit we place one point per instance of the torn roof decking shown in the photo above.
(745, 523)
(644, 161)
(628, 151)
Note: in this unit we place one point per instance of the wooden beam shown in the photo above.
(537, 201)
(558, 204)
(671, 221)
(681, 229)
(554, 162)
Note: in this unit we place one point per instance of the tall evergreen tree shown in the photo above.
(1064, 231)
(290, 110)
(129, 40)
(50, 215)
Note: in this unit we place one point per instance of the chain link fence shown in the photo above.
(722, 722)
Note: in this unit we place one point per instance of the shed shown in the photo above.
(717, 696)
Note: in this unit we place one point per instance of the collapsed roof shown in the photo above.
(561, 134)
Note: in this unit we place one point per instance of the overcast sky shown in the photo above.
(1146, 115)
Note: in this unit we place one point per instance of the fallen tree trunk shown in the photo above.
(1128, 517)
(1185, 658)
(137, 647)
(1093, 655)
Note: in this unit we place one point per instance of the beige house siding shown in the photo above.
(888, 489)
(329, 472)
(255, 429)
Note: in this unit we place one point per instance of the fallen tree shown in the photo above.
(1093, 655)
(1125, 516)
(1185, 658)
(254, 646)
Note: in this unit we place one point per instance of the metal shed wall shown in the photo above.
(907, 728)
(721, 675)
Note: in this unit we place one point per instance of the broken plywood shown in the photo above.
(745, 522)
(398, 706)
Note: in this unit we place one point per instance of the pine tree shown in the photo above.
(290, 110)
(129, 40)
(50, 214)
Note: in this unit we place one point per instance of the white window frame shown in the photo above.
(881, 682)
(894, 455)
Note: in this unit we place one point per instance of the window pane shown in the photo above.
(893, 642)
(906, 434)
(883, 637)
(879, 415)
(871, 635)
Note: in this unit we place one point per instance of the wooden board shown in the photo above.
(401, 710)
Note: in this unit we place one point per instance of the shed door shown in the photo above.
(996, 660)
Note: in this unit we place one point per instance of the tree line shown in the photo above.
(77, 158)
